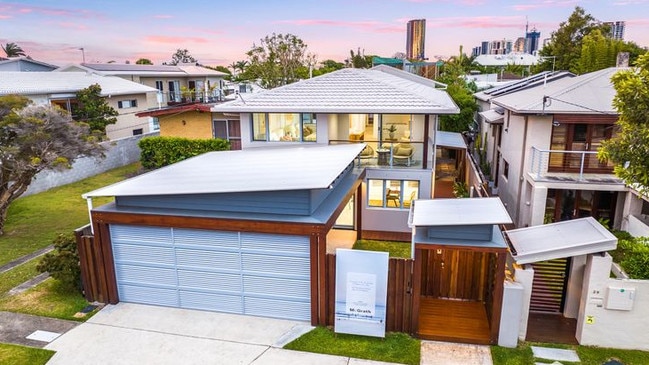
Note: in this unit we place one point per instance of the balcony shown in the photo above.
(389, 155)
(570, 166)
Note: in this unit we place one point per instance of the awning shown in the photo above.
(450, 140)
(492, 116)
(559, 240)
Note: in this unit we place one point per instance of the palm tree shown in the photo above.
(13, 50)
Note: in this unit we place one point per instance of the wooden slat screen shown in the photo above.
(454, 274)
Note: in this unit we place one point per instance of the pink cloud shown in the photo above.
(638, 22)
(629, 2)
(174, 40)
(477, 22)
(545, 4)
(5, 16)
(13, 8)
(71, 25)
(369, 26)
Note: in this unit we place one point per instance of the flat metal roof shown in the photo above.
(558, 240)
(459, 212)
(450, 140)
(255, 169)
(492, 116)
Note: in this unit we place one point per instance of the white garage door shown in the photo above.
(236, 272)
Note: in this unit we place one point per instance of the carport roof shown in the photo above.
(558, 240)
(459, 212)
(257, 169)
(450, 140)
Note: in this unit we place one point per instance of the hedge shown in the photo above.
(632, 254)
(157, 152)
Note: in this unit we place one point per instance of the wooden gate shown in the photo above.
(454, 274)
(549, 285)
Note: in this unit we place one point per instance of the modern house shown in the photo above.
(394, 113)
(183, 83)
(58, 88)
(543, 144)
(25, 64)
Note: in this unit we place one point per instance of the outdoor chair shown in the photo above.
(403, 154)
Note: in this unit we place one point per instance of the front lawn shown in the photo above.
(395, 347)
(34, 221)
(47, 299)
(395, 248)
(17, 276)
(22, 355)
(522, 355)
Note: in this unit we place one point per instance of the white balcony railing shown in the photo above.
(544, 161)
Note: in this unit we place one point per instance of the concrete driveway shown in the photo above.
(140, 334)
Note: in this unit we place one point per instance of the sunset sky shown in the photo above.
(220, 32)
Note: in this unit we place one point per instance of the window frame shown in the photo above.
(403, 193)
(256, 134)
(132, 103)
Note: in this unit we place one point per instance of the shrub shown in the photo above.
(632, 253)
(157, 152)
(63, 263)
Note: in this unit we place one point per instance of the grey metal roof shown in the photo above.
(492, 116)
(459, 212)
(450, 140)
(254, 169)
(590, 93)
(540, 78)
(181, 70)
(31, 83)
(26, 59)
(381, 89)
(558, 240)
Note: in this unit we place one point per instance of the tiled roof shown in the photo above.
(382, 89)
(30, 83)
(591, 93)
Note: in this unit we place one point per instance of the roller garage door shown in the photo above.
(235, 272)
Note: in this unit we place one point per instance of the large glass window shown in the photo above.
(284, 127)
(392, 193)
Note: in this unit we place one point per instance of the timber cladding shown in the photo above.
(399, 304)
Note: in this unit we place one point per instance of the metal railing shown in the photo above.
(584, 162)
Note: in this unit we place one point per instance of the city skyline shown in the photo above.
(219, 33)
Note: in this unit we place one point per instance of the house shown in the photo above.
(393, 112)
(24, 64)
(183, 83)
(543, 155)
(58, 88)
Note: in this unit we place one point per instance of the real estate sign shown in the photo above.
(361, 292)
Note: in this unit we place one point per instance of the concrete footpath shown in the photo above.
(28, 330)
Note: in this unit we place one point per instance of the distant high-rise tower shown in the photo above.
(617, 29)
(415, 39)
(532, 41)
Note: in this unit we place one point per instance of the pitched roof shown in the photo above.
(26, 59)
(181, 70)
(590, 93)
(381, 89)
(257, 169)
(30, 83)
(540, 78)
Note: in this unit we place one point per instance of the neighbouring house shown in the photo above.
(25, 64)
(542, 150)
(60, 88)
(183, 83)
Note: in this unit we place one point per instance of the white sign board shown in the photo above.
(361, 292)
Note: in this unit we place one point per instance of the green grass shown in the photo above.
(396, 249)
(522, 355)
(21, 355)
(47, 299)
(34, 221)
(17, 276)
(396, 347)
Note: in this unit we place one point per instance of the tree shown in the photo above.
(599, 51)
(34, 138)
(327, 66)
(462, 93)
(565, 43)
(358, 59)
(182, 56)
(276, 60)
(63, 263)
(629, 148)
(94, 110)
(143, 61)
(13, 50)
